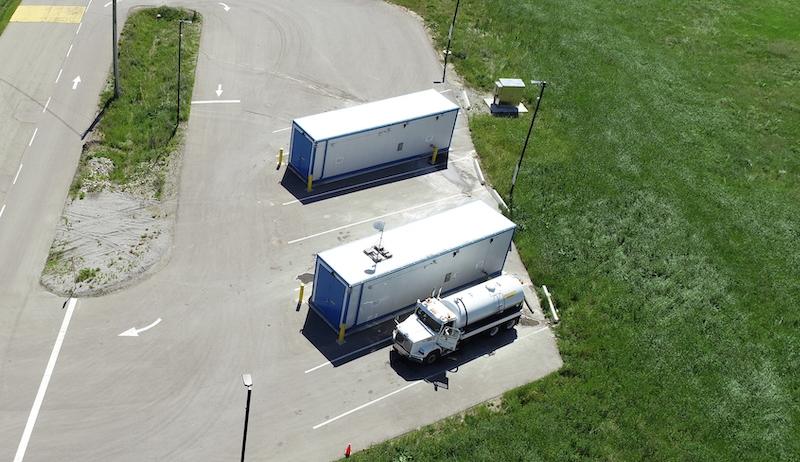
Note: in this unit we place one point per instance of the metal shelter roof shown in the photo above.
(417, 241)
(381, 113)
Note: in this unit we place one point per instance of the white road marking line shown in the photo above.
(89, 4)
(80, 24)
(3, 209)
(282, 129)
(69, 51)
(224, 6)
(33, 136)
(59, 75)
(218, 101)
(107, 5)
(541, 329)
(17, 175)
(445, 91)
(46, 104)
(348, 354)
(367, 404)
(134, 332)
(379, 217)
(48, 372)
(75, 82)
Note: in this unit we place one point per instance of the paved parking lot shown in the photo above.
(244, 241)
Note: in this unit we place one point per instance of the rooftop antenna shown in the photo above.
(377, 253)
(379, 226)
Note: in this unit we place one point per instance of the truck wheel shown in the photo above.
(510, 324)
(432, 357)
(493, 331)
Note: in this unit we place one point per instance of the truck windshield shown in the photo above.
(432, 324)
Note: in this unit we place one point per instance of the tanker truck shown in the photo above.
(437, 326)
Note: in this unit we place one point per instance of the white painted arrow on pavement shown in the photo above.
(75, 82)
(226, 7)
(134, 332)
(219, 90)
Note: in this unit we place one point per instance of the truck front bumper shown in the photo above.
(405, 354)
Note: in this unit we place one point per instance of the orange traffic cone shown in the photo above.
(347, 451)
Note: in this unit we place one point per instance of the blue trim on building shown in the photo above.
(329, 292)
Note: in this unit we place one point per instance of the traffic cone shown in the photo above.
(347, 451)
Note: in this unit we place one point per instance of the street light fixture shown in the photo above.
(542, 84)
(449, 39)
(247, 380)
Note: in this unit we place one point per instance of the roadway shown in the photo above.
(227, 295)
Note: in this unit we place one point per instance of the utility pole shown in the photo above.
(114, 47)
(541, 84)
(247, 380)
(449, 39)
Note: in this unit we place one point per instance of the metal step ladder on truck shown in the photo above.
(438, 326)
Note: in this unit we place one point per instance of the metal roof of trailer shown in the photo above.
(368, 116)
(417, 241)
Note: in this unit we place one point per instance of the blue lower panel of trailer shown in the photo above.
(302, 147)
(329, 295)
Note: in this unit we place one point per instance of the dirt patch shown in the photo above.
(110, 236)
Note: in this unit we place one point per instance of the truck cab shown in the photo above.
(427, 332)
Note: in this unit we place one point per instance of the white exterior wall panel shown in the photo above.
(385, 145)
(403, 288)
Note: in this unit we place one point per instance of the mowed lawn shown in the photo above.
(660, 200)
(7, 8)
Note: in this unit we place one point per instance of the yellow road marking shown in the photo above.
(48, 13)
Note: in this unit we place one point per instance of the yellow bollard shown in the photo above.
(341, 333)
(280, 159)
(435, 155)
(310, 180)
(300, 297)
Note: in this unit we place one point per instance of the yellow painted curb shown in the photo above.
(48, 13)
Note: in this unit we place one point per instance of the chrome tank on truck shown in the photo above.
(484, 300)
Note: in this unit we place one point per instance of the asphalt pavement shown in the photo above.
(226, 299)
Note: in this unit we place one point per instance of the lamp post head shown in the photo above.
(539, 82)
(247, 380)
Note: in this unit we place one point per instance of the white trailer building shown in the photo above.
(355, 140)
(360, 283)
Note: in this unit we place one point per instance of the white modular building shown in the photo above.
(346, 142)
(363, 282)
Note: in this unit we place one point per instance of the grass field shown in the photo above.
(136, 131)
(660, 199)
(7, 8)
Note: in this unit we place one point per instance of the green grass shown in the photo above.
(136, 131)
(87, 274)
(660, 200)
(7, 8)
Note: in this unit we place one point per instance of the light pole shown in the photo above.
(248, 382)
(449, 39)
(114, 47)
(180, 46)
(541, 84)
